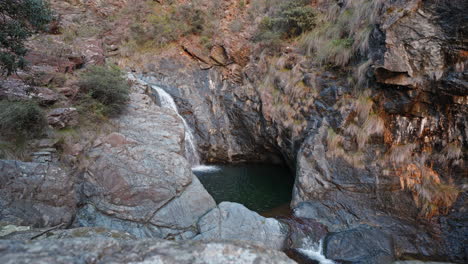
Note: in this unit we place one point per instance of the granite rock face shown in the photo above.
(80, 232)
(232, 221)
(138, 180)
(36, 194)
(101, 250)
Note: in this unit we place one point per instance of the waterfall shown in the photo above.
(191, 153)
(314, 251)
(167, 101)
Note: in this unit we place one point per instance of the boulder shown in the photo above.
(35, 194)
(363, 245)
(45, 96)
(232, 221)
(138, 179)
(13, 89)
(219, 56)
(68, 91)
(63, 117)
(107, 250)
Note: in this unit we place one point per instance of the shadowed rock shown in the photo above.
(232, 221)
(100, 250)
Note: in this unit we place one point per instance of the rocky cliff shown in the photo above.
(369, 107)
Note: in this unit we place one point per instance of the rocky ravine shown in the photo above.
(360, 180)
(381, 157)
(137, 181)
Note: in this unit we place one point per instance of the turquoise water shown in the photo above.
(259, 187)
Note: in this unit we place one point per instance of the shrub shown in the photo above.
(169, 24)
(107, 86)
(22, 118)
(343, 32)
(290, 19)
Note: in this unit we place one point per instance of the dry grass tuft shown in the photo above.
(342, 33)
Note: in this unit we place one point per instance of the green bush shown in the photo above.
(18, 21)
(168, 25)
(289, 19)
(22, 118)
(342, 33)
(107, 86)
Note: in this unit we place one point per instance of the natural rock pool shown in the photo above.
(260, 188)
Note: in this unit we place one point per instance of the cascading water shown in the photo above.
(167, 101)
(314, 251)
(190, 149)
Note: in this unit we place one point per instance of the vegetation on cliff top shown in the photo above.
(168, 23)
(104, 90)
(18, 19)
(284, 20)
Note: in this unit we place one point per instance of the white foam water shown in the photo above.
(314, 251)
(167, 101)
(206, 168)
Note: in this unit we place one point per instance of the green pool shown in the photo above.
(260, 188)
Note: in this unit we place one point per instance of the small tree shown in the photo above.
(18, 19)
(108, 86)
(21, 119)
(289, 19)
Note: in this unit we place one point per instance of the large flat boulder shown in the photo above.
(232, 221)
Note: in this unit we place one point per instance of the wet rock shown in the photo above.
(363, 245)
(138, 180)
(101, 250)
(232, 221)
(63, 117)
(35, 194)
